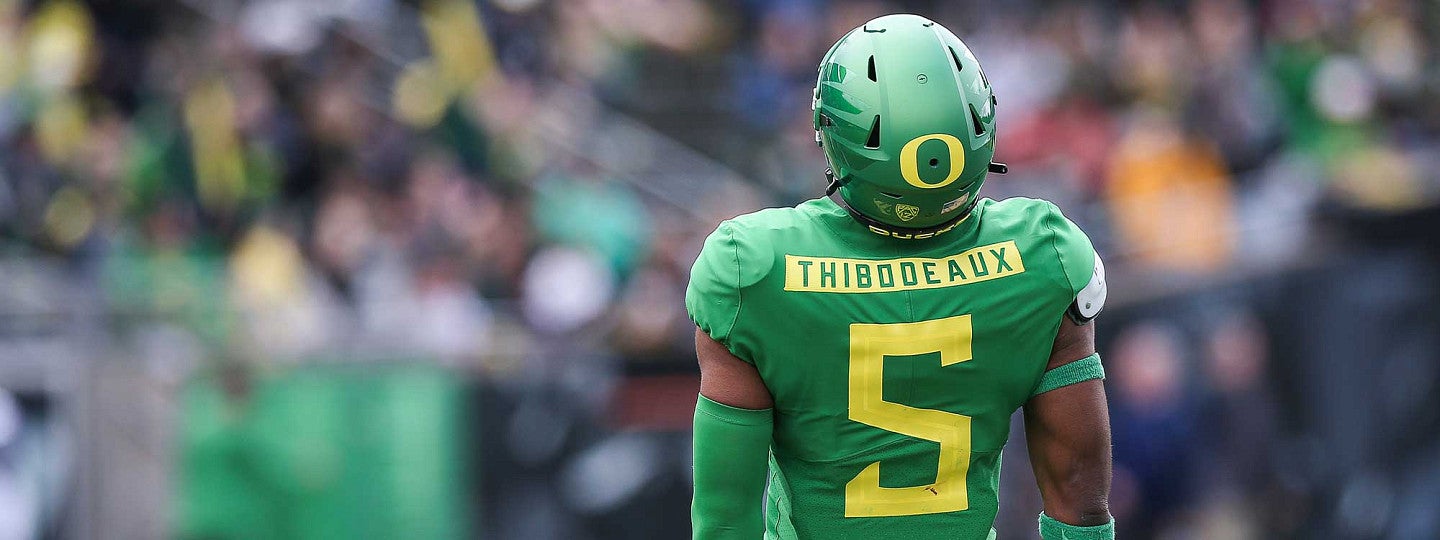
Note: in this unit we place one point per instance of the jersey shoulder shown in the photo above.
(1043, 221)
(738, 254)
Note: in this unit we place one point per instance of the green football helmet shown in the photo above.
(906, 119)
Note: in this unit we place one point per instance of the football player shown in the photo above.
(862, 353)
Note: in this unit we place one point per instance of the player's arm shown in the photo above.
(732, 445)
(1067, 426)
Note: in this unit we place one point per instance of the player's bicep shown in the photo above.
(1067, 429)
(1073, 341)
(727, 379)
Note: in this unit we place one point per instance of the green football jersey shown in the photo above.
(895, 364)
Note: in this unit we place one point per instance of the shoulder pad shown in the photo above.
(1091, 299)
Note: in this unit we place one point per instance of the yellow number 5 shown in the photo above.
(869, 345)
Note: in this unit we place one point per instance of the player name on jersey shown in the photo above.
(832, 274)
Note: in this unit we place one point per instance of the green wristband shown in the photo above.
(1079, 371)
(1055, 530)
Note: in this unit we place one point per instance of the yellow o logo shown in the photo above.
(910, 162)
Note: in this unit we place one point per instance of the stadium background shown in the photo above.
(414, 269)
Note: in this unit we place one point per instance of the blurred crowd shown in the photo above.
(509, 187)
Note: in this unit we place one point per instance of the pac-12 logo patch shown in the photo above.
(906, 212)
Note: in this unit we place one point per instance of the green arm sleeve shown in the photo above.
(732, 452)
(1079, 371)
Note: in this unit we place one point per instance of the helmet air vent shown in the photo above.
(872, 68)
(956, 57)
(874, 140)
(975, 118)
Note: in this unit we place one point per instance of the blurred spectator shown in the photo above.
(19, 503)
(1170, 197)
(574, 207)
(1155, 425)
(1242, 434)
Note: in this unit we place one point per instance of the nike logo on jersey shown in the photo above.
(832, 274)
